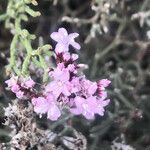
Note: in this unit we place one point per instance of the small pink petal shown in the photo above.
(66, 56)
(55, 36)
(74, 57)
(15, 88)
(63, 31)
(75, 45)
(104, 82)
(19, 94)
(41, 105)
(53, 113)
(12, 81)
(60, 48)
(72, 36)
(29, 83)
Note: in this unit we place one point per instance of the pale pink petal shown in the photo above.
(104, 82)
(75, 45)
(29, 83)
(12, 81)
(19, 94)
(41, 105)
(76, 111)
(50, 98)
(61, 66)
(103, 95)
(55, 88)
(64, 40)
(63, 31)
(74, 57)
(66, 56)
(53, 113)
(92, 88)
(60, 48)
(79, 101)
(61, 75)
(100, 111)
(71, 67)
(72, 36)
(55, 36)
(88, 115)
(15, 88)
(65, 91)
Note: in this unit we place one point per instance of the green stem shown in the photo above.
(25, 65)
(45, 67)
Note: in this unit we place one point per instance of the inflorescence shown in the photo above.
(66, 87)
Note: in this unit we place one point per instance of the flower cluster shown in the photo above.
(20, 86)
(67, 88)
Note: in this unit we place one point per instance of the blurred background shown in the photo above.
(115, 41)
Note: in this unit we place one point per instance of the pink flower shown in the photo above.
(15, 88)
(66, 56)
(72, 68)
(29, 83)
(74, 57)
(89, 107)
(67, 88)
(41, 105)
(60, 83)
(104, 83)
(58, 87)
(75, 85)
(64, 39)
(12, 81)
(19, 94)
(85, 107)
(60, 73)
(46, 105)
(88, 87)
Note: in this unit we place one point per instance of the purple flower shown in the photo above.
(89, 107)
(74, 57)
(12, 81)
(104, 82)
(66, 56)
(75, 85)
(66, 88)
(53, 110)
(46, 105)
(58, 87)
(60, 83)
(72, 68)
(40, 105)
(29, 83)
(15, 88)
(85, 107)
(88, 87)
(19, 94)
(64, 39)
(60, 73)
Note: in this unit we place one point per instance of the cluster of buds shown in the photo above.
(66, 88)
